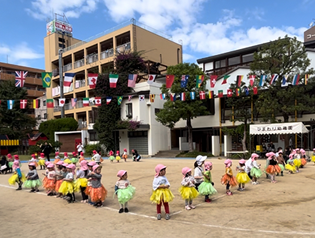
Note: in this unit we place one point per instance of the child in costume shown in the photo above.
(188, 190)
(45, 174)
(303, 158)
(10, 162)
(96, 191)
(313, 156)
(32, 181)
(33, 159)
(253, 169)
(206, 187)
(297, 159)
(18, 177)
(117, 156)
(67, 186)
(81, 180)
(161, 191)
(41, 161)
(96, 157)
(66, 158)
(124, 190)
(74, 159)
(61, 172)
(50, 182)
(290, 165)
(81, 157)
(124, 155)
(273, 166)
(57, 158)
(111, 156)
(198, 170)
(242, 176)
(89, 184)
(228, 179)
(281, 161)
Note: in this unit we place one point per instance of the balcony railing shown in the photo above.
(67, 67)
(123, 48)
(56, 90)
(91, 58)
(79, 63)
(82, 125)
(79, 83)
(107, 53)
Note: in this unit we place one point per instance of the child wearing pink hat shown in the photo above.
(18, 177)
(96, 191)
(111, 156)
(117, 156)
(32, 181)
(41, 161)
(96, 157)
(273, 166)
(124, 190)
(50, 182)
(253, 169)
(66, 158)
(10, 162)
(303, 158)
(297, 159)
(81, 157)
(61, 172)
(67, 185)
(161, 191)
(206, 187)
(124, 155)
(57, 157)
(290, 165)
(228, 179)
(81, 179)
(33, 159)
(188, 191)
(242, 176)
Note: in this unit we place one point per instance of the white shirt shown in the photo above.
(79, 148)
(51, 174)
(198, 173)
(250, 164)
(161, 180)
(97, 158)
(69, 176)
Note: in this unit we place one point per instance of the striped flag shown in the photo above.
(86, 102)
(262, 80)
(306, 78)
(152, 97)
(274, 78)
(192, 95)
(220, 93)
(162, 96)
(113, 78)
(67, 81)
(10, 104)
(36, 103)
(73, 102)
(108, 100)
(296, 79)
(211, 94)
(239, 80)
(132, 80)
(237, 92)
(199, 80)
(284, 80)
(182, 96)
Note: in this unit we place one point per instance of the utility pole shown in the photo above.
(61, 81)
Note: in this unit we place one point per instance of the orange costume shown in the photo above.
(228, 177)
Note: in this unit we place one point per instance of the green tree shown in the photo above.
(284, 57)
(126, 63)
(173, 111)
(61, 124)
(15, 123)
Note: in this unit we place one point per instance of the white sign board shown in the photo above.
(278, 128)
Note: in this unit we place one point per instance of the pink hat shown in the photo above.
(32, 164)
(302, 151)
(42, 155)
(57, 153)
(254, 156)
(228, 162)
(117, 152)
(81, 153)
(10, 156)
(65, 154)
(16, 164)
(92, 163)
(280, 152)
(111, 152)
(208, 165)
(60, 163)
(47, 163)
(50, 165)
(313, 149)
(95, 167)
(69, 166)
(270, 155)
(83, 165)
(185, 170)
(158, 168)
(16, 157)
(121, 173)
(242, 161)
(65, 165)
(297, 149)
(125, 150)
(94, 151)
(293, 152)
(74, 153)
(33, 155)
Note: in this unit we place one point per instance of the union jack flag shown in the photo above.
(20, 78)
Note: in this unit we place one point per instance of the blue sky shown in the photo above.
(204, 27)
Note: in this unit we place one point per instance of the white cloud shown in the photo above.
(19, 53)
(187, 57)
(41, 9)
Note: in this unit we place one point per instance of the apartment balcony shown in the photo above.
(91, 126)
(28, 80)
(34, 93)
(91, 58)
(79, 63)
(56, 90)
(79, 83)
(82, 125)
(123, 48)
(107, 53)
(67, 67)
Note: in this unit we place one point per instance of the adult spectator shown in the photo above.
(4, 165)
(46, 149)
(135, 155)
(272, 147)
(80, 148)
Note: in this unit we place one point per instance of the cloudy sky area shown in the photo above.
(204, 27)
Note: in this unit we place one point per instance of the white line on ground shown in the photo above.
(205, 225)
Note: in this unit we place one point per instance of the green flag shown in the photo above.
(46, 78)
(119, 99)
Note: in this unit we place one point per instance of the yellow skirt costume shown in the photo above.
(297, 163)
(117, 157)
(290, 168)
(188, 192)
(242, 177)
(67, 161)
(13, 179)
(313, 158)
(66, 187)
(81, 182)
(41, 162)
(161, 193)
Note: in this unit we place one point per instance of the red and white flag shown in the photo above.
(68, 79)
(229, 93)
(213, 80)
(132, 78)
(151, 78)
(251, 80)
(113, 78)
(182, 96)
(255, 90)
(98, 101)
(108, 100)
(202, 95)
(23, 104)
(62, 102)
(92, 80)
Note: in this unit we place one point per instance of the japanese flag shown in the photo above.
(62, 102)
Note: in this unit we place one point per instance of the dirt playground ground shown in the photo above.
(284, 209)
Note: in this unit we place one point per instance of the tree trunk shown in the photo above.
(190, 139)
(244, 137)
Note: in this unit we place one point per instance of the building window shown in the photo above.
(45, 115)
(93, 136)
(248, 58)
(137, 134)
(157, 110)
(220, 64)
(44, 103)
(39, 117)
(129, 110)
(234, 60)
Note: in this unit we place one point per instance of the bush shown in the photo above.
(89, 149)
(193, 154)
(34, 149)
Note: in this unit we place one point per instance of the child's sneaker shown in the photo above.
(158, 216)
(208, 200)
(192, 207)
(121, 210)
(126, 209)
(167, 216)
(187, 207)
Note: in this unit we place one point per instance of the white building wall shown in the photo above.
(41, 112)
